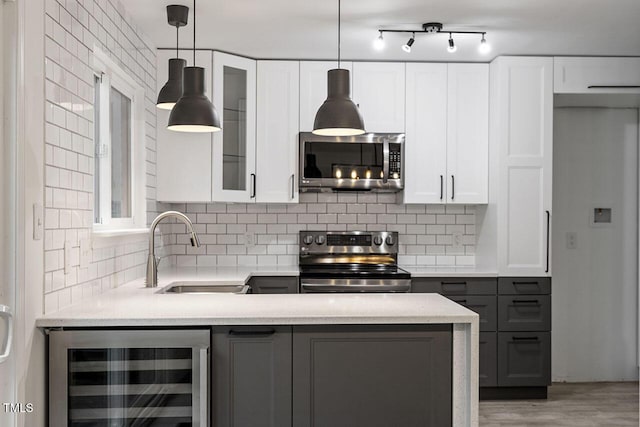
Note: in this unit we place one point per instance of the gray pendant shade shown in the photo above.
(338, 115)
(194, 112)
(172, 90)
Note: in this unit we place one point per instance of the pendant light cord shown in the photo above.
(339, 11)
(194, 33)
(177, 40)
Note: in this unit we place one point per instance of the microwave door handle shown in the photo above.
(385, 161)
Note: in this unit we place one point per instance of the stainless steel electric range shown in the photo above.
(352, 261)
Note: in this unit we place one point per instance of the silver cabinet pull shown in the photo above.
(453, 187)
(5, 313)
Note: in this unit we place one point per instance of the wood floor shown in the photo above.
(568, 405)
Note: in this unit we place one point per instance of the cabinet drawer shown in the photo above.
(524, 285)
(524, 359)
(596, 75)
(454, 286)
(524, 313)
(274, 285)
(484, 305)
(488, 364)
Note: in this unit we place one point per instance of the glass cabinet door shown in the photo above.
(234, 95)
(128, 378)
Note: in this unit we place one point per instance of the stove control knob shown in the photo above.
(377, 240)
(308, 239)
(320, 239)
(390, 241)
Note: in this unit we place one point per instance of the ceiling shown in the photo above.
(307, 29)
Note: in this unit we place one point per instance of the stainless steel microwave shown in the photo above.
(369, 162)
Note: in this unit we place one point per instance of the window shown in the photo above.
(119, 191)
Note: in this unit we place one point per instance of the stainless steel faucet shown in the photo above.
(152, 262)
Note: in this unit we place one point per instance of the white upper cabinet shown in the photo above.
(313, 89)
(425, 151)
(183, 159)
(522, 133)
(596, 75)
(379, 91)
(234, 147)
(446, 149)
(277, 131)
(468, 133)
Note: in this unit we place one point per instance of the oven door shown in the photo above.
(309, 285)
(364, 162)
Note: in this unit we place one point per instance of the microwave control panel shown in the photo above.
(395, 156)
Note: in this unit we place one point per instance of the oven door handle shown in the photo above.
(323, 287)
(385, 160)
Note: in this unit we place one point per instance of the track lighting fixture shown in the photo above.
(484, 47)
(407, 47)
(452, 46)
(433, 28)
(378, 43)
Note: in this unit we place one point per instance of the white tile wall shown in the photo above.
(426, 231)
(72, 29)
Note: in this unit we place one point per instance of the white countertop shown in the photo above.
(135, 305)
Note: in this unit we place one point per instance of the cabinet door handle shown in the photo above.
(293, 186)
(264, 333)
(6, 313)
(613, 87)
(441, 187)
(526, 301)
(253, 185)
(453, 187)
(525, 339)
(548, 238)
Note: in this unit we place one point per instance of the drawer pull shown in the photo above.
(525, 339)
(264, 333)
(524, 283)
(526, 301)
(460, 301)
(454, 283)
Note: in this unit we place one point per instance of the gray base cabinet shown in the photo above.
(251, 379)
(345, 376)
(488, 359)
(524, 359)
(274, 284)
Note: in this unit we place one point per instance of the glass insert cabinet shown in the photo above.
(128, 378)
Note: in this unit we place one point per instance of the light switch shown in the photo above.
(249, 240)
(457, 241)
(572, 240)
(38, 221)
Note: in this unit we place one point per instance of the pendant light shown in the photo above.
(194, 112)
(177, 16)
(338, 115)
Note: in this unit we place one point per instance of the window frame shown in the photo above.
(110, 75)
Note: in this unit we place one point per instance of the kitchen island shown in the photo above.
(341, 317)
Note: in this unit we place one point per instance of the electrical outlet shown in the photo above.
(572, 240)
(249, 240)
(85, 253)
(38, 221)
(457, 241)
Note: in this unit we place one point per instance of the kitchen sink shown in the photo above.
(204, 287)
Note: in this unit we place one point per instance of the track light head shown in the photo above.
(452, 46)
(378, 43)
(407, 47)
(484, 47)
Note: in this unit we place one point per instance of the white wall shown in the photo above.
(595, 284)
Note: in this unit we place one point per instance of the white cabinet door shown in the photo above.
(596, 75)
(277, 131)
(379, 91)
(523, 126)
(425, 160)
(468, 134)
(313, 89)
(183, 159)
(234, 147)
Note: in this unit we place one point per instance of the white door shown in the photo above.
(468, 134)
(234, 147)
(313, 89)
(277, 137)
(524, 129)
(379, 91)
(183, 159)
(7, 218)
(425, 171)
